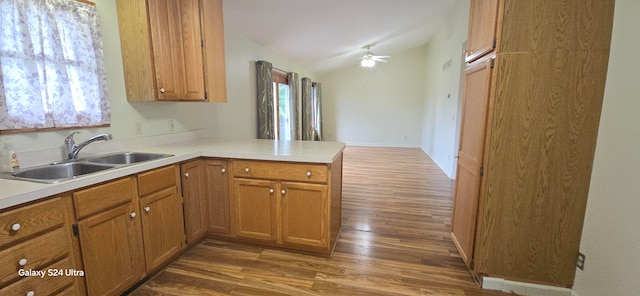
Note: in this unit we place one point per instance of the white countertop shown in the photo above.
(14, 192)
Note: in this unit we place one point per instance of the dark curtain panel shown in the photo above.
(294, 97)
(307, 109)
(318, 111)
(264, 79)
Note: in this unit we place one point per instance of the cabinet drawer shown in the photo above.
(157, 180)
(99, 198)
(35, 254)
(280, 171)
(52, 281)
(29, 220)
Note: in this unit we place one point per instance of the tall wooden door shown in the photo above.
(256, 204)
(470, 156)
(195, 200)
(216, 181)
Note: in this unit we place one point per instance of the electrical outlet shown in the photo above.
(172, 126)
(580, 262)
(138, 128)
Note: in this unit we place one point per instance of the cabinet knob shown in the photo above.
(31, 293)
(147, 209)
(162, 90)
(271, 190)
(283, 191)
(308, 173)
(186, 175)
(246, 170)
(22, 262)
(15, 227)
(223, 171)
(133, 215)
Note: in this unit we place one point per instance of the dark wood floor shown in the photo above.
(395, 241)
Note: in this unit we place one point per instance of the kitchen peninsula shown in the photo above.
(284, 194)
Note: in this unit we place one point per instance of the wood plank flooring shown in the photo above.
(395, 241)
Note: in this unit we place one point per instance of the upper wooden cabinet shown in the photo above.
(528, 137)
(483, 21)
(172, 50)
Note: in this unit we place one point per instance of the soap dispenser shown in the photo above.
(10, 161)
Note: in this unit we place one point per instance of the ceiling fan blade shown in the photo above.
(378, 59)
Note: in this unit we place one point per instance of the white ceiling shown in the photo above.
(325, 35)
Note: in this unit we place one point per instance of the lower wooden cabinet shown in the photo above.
(195, 200)
(112, 250)
(304, 214)
(256, 209)
(216, 183)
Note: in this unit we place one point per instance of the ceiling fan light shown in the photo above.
(367, 63)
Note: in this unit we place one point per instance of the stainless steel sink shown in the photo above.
(59, 172)
(126, 158)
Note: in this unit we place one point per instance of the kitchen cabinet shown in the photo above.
(483, 21)
(530, 119)
(195, 200)
(173, 50)
(217, 189)
(110, 236)
(293, 205)
(162, 215)
(37, 237)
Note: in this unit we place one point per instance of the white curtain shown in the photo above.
(51, 65)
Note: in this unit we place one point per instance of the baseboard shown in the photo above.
(525, 289)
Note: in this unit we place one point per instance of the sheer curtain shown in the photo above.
(311, 110)
(51, 65)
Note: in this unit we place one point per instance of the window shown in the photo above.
(282, 104)
(51, 66)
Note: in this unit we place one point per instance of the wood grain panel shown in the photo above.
(166, 40)
(195, 200)
(157, 179)
(217, 187)
(394, 241)
(47, 285)
(135, 44)
(214, 56)
(542, 143)
(192, 50)
(305, 214)
(546, 25)
(280, 171)
(256, 203)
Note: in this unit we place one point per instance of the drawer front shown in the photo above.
(29, 220)
(157, 180)
(280, 171)
(34, 254)
(99, 198)
(55, 279)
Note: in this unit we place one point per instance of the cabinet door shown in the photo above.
(112, 250)
(177, 51)
(470, 157)
(483, 20)
(305, 214)
(256, 209)
(162, 226)
(217, 187)
(195, 201)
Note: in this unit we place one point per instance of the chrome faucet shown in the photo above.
(74, 148)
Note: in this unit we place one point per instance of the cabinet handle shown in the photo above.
(133, 215)
(15, 227)
(147, 209)
(308, 173)
(31, 293)
(186, 175)
(283, 191)
(22, 262)
(162, 90)
(271, 190)
(246, 170)
(223, 171)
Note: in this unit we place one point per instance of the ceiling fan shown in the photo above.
(369, 60)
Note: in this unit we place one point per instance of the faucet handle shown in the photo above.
(69, 138)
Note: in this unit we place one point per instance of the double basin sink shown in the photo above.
(67, 170)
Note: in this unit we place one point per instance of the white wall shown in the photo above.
(611, 238)
(379, 106)
(442, 88)
(237, 118)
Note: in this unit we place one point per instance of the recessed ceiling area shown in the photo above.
(331, 34)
